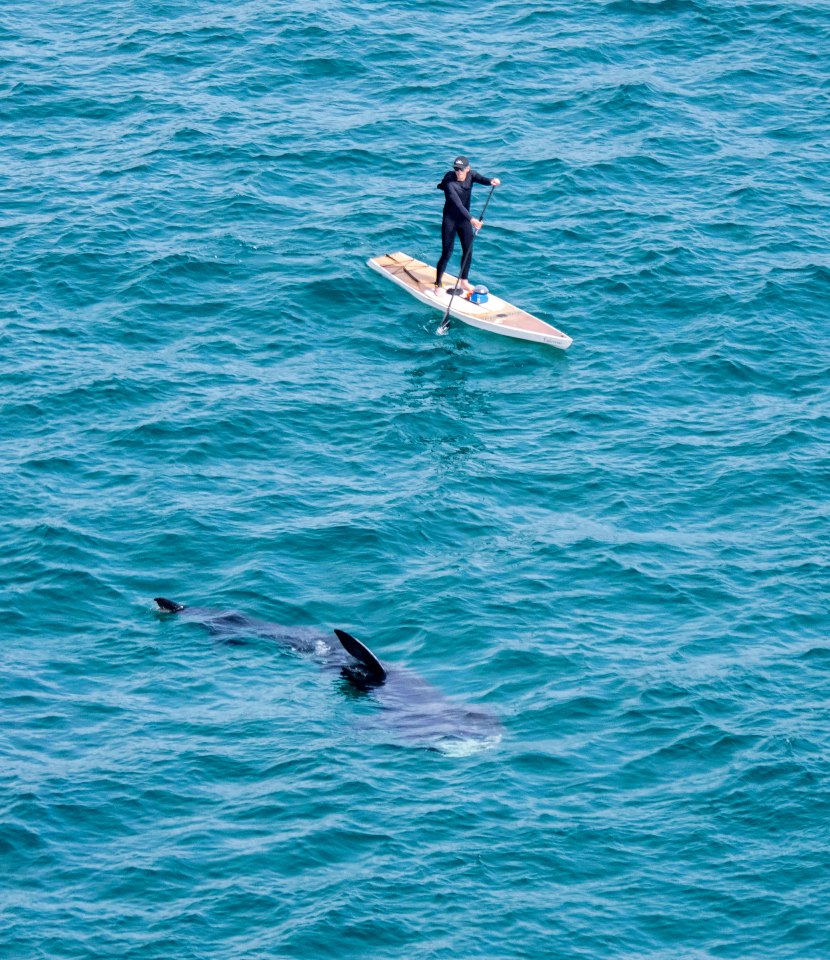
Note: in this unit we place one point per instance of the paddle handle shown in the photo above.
(484, 208)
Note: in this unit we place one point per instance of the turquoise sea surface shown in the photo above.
(615, 557)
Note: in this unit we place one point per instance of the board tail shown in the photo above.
(168, 606)
(362, 653)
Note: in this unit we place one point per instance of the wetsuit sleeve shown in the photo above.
(478, 178)
(455, 201)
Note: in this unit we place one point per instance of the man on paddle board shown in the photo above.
(457, 185)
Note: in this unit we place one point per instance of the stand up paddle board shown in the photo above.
(496, 315)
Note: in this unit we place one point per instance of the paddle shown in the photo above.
(464, 261)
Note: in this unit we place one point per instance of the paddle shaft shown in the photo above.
(464, 262)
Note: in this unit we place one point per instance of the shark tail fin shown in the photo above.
(362, 653)
(168, 606)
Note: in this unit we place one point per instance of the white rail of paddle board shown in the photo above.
(497, 315)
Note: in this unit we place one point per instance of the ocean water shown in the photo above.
(617, 555)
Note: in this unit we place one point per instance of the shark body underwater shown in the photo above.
(419, 713)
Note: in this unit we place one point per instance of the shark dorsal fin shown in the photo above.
(168, 606)
(362, 653)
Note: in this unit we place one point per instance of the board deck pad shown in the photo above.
(497, 315)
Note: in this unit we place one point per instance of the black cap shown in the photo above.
(461, 163)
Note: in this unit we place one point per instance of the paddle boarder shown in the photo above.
(457, 185)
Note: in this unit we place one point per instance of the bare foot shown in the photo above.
(437, 290)
(466, 285)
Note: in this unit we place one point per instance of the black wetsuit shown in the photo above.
(456, 220)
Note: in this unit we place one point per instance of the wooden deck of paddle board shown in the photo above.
(496, 315)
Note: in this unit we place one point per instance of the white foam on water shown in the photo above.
(467, 746)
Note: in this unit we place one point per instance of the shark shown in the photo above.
(419, 712)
